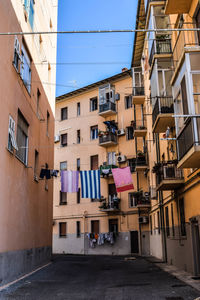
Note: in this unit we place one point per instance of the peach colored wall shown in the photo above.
(26, 207)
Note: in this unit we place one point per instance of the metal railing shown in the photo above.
(168, 171)
(139, 124)
(163, 105)
(141, 161)
(160, 47)
(106, 170)
(184, 39)
(138, 91)
(107, 106)
(113, 203)
(108, 137)
(186, 139)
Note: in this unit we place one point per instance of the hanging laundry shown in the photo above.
(90, 184)
(123, 179)
(45, 173)
(54, 173)
(69, 181)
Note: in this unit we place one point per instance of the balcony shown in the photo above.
(139, 128)
(177, 6)
(162, 114)
(160, 48)
(188, 144)
(141, 162)
(138, 95)
(108, 139)
(168, 176)
(111, 206)
(107, 109)
(142, 199)
(147, 2)
(106, 170)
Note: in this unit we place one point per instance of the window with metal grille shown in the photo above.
(63, 198)
(22, 138)
(93, 104)
(64, 140)
(64, 113)
(62, 229)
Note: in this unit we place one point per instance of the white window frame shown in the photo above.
(96, 132)
(130, 198)
(25, 70)
(111, 158)
(11, 135)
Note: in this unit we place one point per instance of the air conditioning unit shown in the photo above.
(56, 138)
(143, 220)
(121, 132)
(121, 158)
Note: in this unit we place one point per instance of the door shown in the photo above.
(134, 242)
(94, 162)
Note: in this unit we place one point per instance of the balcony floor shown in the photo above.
(141, 168)
(162, 122)
(140, 132)
(138, 99)
(108, 144)
(170, 184)
(110, 210)
(107, 113)
(191, 159)
(177, 7)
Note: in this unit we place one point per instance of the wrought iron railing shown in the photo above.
(107, 106)
(108, 137)
(138, 91)
(140, 124)
(163, 105)
(160, 47)
(168, 171)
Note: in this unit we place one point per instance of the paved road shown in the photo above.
(77, 277)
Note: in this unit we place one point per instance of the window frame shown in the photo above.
(92, 108)
(60, 234)
(129, 136)
(61, 140)
(94, 132)
(63, 169)
(130, 164)
(62, 113)
(128, 102)
(78, 109)
(78, 164)
(131, 198)
(61, 201)
(78, 136)
(19, 129)
(25, 60)
(78, 229)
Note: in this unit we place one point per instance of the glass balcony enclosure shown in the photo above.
(138, 86)
(107, 105)
(187, 111)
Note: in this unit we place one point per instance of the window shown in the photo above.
(64, 140)
(167, 221)
(182, 216)
(132, 200)
(93, 104)
(16, 59)
(78, 136)
(172, 216)
(64, 113)
(36, 165)
(128, 102)
(63, 198)
(78, 109)
(112, 158)
(63, 165)
(78, 229)
(48, 117)
(25, 70)
(131, 164)
(62, 229)
(94, 132)
(158, 220)
(113, 225)
(12, 144)
(129, 133)
(95, 226)
(94, 162)
(78, 164)
(29, 7)
(78, 196)
(22, 138)
(38, 103)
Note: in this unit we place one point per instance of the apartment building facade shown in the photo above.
(170, 62)
(84, 140)
(27, 132)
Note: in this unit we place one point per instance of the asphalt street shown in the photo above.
(99, 277)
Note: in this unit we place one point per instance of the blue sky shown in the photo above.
(86, 58)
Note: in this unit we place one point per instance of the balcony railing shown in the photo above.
(108, 106)
(106, 170)
(186, 139)
(109, 137)
(138, 91)
(185, 39)
(163, 105)
(141, 198)
(113, 204)
(160, 47)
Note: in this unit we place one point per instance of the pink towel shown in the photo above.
(123, 179)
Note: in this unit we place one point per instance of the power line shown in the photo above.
(99, 31)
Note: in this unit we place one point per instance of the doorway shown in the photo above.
(134, 242)
(195, 246)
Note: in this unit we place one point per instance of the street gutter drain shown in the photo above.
(129, 258)
(174, 298)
